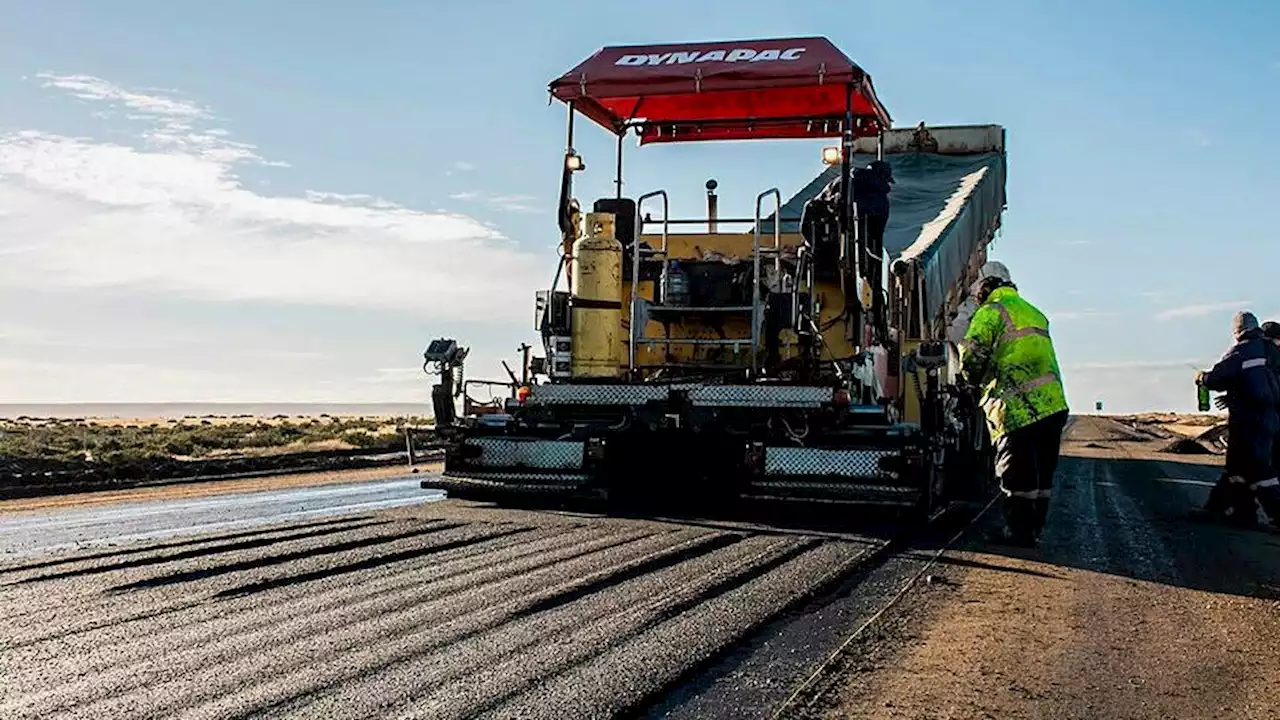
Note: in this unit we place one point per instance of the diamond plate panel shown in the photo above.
(598, 394)
(763, 396)
(760, 396)
(793, 487)
(851, 493)
(534, 454)
(528, 482)
(853, 464)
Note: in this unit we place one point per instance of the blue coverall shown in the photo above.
(1245, 374)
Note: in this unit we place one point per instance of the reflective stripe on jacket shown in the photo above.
(1008, 354)
(1246, 375)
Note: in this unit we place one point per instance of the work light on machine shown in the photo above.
(831, 155)
(573, 162)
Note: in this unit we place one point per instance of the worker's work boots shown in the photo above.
(1269, 499)
(1231, 502)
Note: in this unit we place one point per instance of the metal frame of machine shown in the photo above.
(794, 389)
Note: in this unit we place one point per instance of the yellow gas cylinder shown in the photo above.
(596, 302)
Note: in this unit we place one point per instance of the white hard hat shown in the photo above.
(994, 269)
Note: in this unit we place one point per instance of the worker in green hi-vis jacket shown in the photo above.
(1008, 355)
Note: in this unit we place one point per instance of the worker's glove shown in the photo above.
(1199, 377)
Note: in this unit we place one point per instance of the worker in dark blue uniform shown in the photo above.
(1246, 374)
(871, 187)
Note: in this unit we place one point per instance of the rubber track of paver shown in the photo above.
(440, 616)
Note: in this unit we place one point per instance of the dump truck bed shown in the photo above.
(945, 203)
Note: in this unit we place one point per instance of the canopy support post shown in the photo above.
(565, 210)
(622, 134)
(848, 222)
(568, 142)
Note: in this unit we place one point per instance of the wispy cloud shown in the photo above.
(460, 167)
(170, 214)
(515, 203)
(171, 120)
(506, 203)
(1202, 310)
(88, 87)
(356, 199)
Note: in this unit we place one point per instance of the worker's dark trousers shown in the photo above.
(871, 230)
(1026, 460)
(1250, 473)
(1268, 489)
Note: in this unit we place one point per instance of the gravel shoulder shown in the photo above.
(173, 491)
(1129, 610)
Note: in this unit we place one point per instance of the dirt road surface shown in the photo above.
(452, 610)
(201, 489)
(1128, 610)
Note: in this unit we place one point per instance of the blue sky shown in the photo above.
(261, 202)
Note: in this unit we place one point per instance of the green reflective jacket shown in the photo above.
(1008, 354)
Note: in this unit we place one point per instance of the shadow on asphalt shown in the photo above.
(1133, 518)
(974, 564)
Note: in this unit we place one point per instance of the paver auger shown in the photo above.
(797, 360)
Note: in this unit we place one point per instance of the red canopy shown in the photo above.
(737, 90)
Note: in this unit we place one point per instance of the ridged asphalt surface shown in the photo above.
(437, 611)
(33, 533)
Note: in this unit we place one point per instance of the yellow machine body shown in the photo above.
(836, 328)
(654, 352)
(598, 337)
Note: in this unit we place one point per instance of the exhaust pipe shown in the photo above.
(712, 202)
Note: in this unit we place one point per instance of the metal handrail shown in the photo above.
(719, 220)
(637, 334)
(637, 329)
(755, 259)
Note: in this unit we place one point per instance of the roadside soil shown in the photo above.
(209, 488)
(1129, 609)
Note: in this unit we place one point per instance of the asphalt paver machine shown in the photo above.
(797, 358)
